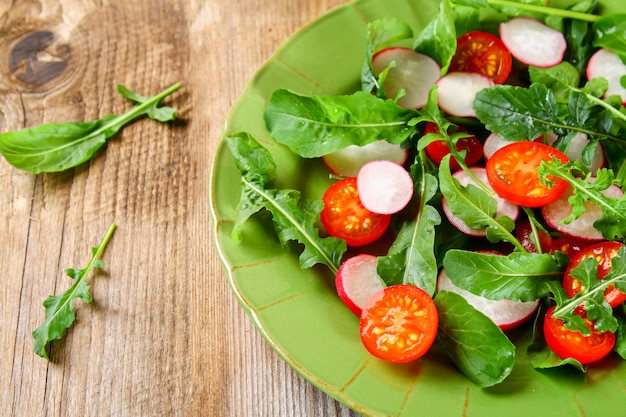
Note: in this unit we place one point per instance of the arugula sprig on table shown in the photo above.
(60, 314)
(55, 147)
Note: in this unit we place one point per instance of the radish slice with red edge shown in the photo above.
(582, 227)
(414, 73)
(357, 281)
(506, 314)
(576, 147)
(532, 42)
(492, 144)
(384, 187)
(607, 64)
(348, 161)
(457, 91)
(505, 208)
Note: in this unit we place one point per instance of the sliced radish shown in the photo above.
(505, 208)
(607, 64)
(506, 314)
(492, 144)
(532, 42)
(582, 227)
(414, 73)
(384, 187)
(357, 280)
(575, 150)
(457, 91)
(348, 161)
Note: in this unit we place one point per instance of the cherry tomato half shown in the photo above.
(571, 246)
(512, 172)
(399, 323)
(438, 149)
(345, 217)
(572, 344)
(603, 252)
(483, 53)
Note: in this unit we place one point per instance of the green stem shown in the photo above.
(138, 110)
(546, 10)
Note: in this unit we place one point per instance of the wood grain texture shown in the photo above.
(164, 335)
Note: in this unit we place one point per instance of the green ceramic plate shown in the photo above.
(298, 311)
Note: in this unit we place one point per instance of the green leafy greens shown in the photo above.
(60, 313)
(554, 102)
(313, 126)
(57, 147)
(294, 219)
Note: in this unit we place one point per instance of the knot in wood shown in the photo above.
(38, 58)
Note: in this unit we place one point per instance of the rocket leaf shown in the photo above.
(60, 313)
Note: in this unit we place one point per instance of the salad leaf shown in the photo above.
(57, 147)
(411, 258)
(472, 341)
(438, 38)
(518, 276)
(466, 19)
(612, 223)
(529, 7)
(294, 219)
(579, 34)
(381, 33)
(560, 79)
(517, 113)
(610, 32)
(60, 314)
(541, 356)
(592, 295)
(313, 126)
(475, 207)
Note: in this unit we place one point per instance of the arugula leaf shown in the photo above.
(60, 313)
(294, 219)
(472, 341)
(560, 79)
(411, 258)
(579, 36)
(517, 113)
(381, 34)
(518, 276)
(612, 223)
(57, 147)
(438, 38)
(592, 295)
(313, 126)
(475, 207)
(515, 8)
(541, 356)
(610, 32)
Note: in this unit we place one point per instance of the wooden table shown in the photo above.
(163, 335)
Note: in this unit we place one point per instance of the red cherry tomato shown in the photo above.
(345, 217)
(571, 246)
(512, 172)
(438, 149)
(399, 323)
(572, 344)
(482, 53)
(603, 252)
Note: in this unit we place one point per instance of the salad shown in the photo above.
(500, 231)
